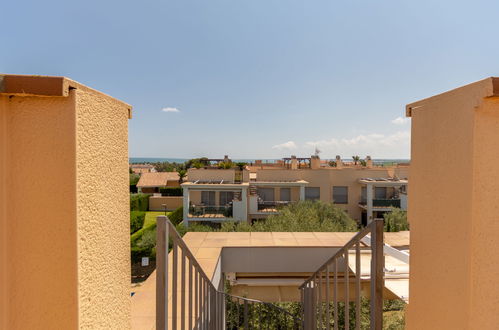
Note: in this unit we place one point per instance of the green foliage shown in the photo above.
(171, 191)
(177, 216)
(141, 247)
(197, 162)
(241, 165)
(226, 166)
(308, 216)
(363, 162)
(355, 159)
(134, 178)
(396, 220)
(333, 163)
(182, 174)
(139, 202)
(136, 220)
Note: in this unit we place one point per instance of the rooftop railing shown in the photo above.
(186, 297)
(316, 290)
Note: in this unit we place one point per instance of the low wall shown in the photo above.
(172, 203)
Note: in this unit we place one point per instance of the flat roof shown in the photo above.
(384, 181)
(488, 87)
(207, 246)
(35, 85)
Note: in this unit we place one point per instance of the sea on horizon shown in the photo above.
(139, 160)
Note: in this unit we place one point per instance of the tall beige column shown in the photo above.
(454, 209)
(64, 206)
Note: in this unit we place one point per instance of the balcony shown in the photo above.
(202, 211)
(382, 203)
(386, 202)
(272, 206)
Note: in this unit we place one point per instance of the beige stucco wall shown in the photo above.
(64, 252)
(103, 211)
(38, 213)
(172, 203)
(453, 210)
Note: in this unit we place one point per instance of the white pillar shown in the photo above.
(302, 193)
(186, 206)
(369, 197)
(244, 200)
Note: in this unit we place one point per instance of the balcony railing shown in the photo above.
(272, 205)
(383, 202)
(195, 302)
(203, 211)
(316, 294)
(386, 202)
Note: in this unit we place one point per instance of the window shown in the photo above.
(340, 195)
(380, 192)
(208, 198)
(286, 194)
(312, 193)
(266, 194)
(226, 197)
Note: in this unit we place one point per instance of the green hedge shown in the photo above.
(136, 220)
(171, 191)
(142, 243)
(139, 202)
(177, 216)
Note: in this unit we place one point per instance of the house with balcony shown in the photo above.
(380, 195)
(259, 190)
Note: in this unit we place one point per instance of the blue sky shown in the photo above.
(260, 78)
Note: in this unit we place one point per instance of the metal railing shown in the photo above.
(264, 205)
(316, 290)
(202, 210)
(186, 298)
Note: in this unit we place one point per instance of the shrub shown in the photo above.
(140, 246)
(308, 216)
(136, 220)
(171, 191)
(396, 220)
(177, 216)
(139, 202)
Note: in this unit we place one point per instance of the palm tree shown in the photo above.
(181, 175)
(355, 159)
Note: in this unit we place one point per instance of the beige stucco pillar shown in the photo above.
(64, 206)
(453, 209)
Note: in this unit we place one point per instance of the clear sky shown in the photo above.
(259, 78)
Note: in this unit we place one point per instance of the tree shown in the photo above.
(355, 159)
(308, 216)
(181, 175)
(396, 220)
(241, 165)
(333, 163)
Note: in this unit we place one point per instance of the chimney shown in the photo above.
(369, 162)
(339, 163)
(315, 162)
(294, 163)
